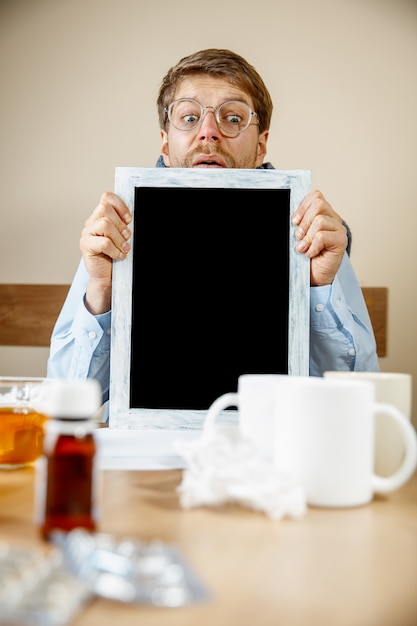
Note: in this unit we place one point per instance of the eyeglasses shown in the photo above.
(232, 117)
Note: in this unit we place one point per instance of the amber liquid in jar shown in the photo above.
(21, 436)
(67, 478)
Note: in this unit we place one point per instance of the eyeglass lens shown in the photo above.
(233, 116)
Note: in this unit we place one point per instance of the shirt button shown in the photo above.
(338, 302)
(351, 351)
(108, 331)
(319, 307)
(92, 334)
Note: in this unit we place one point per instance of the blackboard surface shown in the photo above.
(210, 292)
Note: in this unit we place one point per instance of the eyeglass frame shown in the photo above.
(215, 111)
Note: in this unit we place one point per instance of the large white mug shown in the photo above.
(255, 401)
(393, 388)
(325, 437)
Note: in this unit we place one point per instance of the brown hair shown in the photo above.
(225, 64)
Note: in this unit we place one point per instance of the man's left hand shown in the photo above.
(321, 236)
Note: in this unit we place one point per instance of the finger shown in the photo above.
(112, 207)
(109, 199)
(315, 222)
(313, 205)
(106, 222)
(105, 227)
(103, 236)
(306, 203)
(307, 232)
(333, 241)
(107, 237)
(324, 232)
(303, 245)
(95, 245)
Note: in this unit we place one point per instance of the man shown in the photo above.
(215, 111)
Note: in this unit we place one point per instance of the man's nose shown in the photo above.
(209, 128)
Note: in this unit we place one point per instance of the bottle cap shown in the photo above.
(71, 399)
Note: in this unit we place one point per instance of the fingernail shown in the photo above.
(301, 246)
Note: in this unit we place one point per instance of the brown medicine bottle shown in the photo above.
(66, 481)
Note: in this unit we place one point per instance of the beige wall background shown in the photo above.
(78, 86)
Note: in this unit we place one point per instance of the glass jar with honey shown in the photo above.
(22, 420)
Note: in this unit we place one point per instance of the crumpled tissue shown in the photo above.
(223, 466)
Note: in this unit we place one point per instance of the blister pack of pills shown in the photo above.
(128, 570)
(37, 588)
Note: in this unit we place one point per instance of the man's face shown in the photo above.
(205, 146)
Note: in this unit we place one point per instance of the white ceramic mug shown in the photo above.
(255, 401)
(325, 437)
(393, 388)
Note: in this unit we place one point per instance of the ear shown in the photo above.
(262, 141)
(164, 148)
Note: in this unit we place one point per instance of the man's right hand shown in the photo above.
(104, 237)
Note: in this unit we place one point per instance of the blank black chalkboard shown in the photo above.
(210, 292)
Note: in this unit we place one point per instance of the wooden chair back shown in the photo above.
(376, 299)
(28, 313)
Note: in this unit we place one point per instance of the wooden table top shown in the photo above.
(342, 567)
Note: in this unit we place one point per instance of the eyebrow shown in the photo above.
(227, 99)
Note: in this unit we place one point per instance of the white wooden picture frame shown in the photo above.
(132, 184)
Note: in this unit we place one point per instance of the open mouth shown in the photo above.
(208, 162)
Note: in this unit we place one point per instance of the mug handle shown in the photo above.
(403, 473)
(222, 402)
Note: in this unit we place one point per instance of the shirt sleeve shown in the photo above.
(341, 333)
(80, 341)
